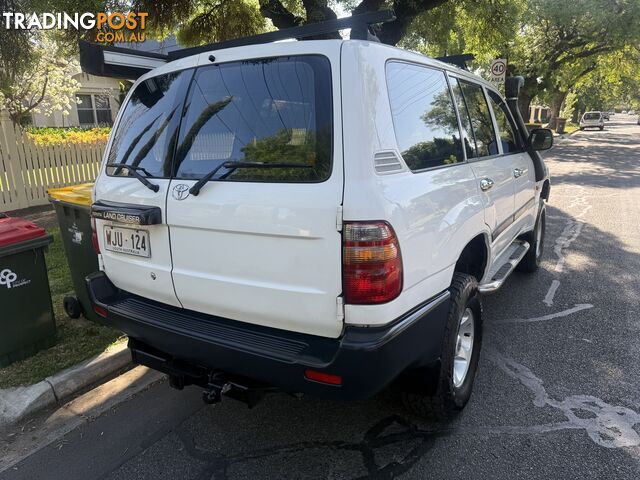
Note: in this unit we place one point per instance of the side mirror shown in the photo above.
(540, 139)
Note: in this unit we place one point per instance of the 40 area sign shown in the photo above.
(498, 70)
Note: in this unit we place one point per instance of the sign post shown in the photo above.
(498, 70)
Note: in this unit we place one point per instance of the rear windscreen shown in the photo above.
(591, 116)
(148, 127)
(274, 110)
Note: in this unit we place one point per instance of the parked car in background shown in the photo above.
(605, 115)
(592, 120)
(632, 112)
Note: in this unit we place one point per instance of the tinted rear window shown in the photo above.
(276, 110)
(424, 116)
(147, 130)
(592, 116)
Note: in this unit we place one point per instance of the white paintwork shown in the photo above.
(270, 254)
(128, 60)
(127, 272)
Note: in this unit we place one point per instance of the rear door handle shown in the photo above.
(518, 172)
(486, 184)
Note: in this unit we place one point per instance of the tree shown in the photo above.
(44, 84)
(561, 42)
(197, 21)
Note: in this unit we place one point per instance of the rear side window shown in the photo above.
(272, 110)
(424, 116)
(481, 123)
(506, 126)
(465, 120)
(147, 130)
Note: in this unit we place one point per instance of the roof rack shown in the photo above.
(119, 62)
(458, 60)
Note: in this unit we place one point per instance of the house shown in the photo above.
(98, 104)
(99, 97)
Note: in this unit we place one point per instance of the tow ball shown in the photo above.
(214, 390)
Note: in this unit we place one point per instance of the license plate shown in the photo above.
(129, 241)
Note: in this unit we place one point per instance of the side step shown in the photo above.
(504, 265)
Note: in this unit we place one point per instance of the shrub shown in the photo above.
(61, 136)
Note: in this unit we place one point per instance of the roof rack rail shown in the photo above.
(458, 60)
(119, 62)
(359, 25)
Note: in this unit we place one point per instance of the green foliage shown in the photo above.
(61, 136)
(467, 26)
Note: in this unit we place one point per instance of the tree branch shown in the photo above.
(406, 10)
(278, 14)
(366, 6)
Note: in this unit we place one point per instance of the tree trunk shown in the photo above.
(556, 105)
(527, 93)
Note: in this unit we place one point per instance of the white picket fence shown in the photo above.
(28, 170)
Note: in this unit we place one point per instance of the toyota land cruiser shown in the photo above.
(317, 216)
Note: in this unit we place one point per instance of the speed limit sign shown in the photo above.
(498, 70)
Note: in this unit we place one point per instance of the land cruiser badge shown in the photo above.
(180, 191)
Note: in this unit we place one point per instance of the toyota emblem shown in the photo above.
(180, 191)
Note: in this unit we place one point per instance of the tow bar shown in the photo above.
(215, 382)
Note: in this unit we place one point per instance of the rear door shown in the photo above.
(133, 234)
(493, 171)
(261, 245)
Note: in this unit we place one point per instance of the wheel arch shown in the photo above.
(474, 257)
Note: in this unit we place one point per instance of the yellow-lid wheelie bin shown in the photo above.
(73, 209)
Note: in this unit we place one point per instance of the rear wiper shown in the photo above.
(233, 164)
(134, 171)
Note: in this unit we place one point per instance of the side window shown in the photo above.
(506, 127)
(146, 133)
(481, 124)
(424, 117)
(465, 120)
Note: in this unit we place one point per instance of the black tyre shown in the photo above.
(72, 306)
(459, 360)
(532, 259)
(601, 128)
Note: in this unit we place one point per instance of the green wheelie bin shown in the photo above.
(73, 209)
(27, 323)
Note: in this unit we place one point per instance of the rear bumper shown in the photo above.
(182, 342)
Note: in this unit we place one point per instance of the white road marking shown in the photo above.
(548, 298)
(610, 426)
(551, 316)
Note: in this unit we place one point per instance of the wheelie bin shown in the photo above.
(27, 324)
(73, 209)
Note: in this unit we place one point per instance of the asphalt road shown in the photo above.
(557, 393)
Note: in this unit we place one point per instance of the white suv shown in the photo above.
(318, 216)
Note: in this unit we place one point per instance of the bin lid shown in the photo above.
(77, 194)
(17, 230)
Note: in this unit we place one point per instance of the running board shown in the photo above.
(504, 266)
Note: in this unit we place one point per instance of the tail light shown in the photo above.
(94, 236)
(371, 263)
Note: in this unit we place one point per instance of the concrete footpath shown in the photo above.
(19, 402)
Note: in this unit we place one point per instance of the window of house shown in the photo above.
(424, 116)
(481, 123)
(103, 110)
(86, 115)
(506, 126)
(94, 110)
